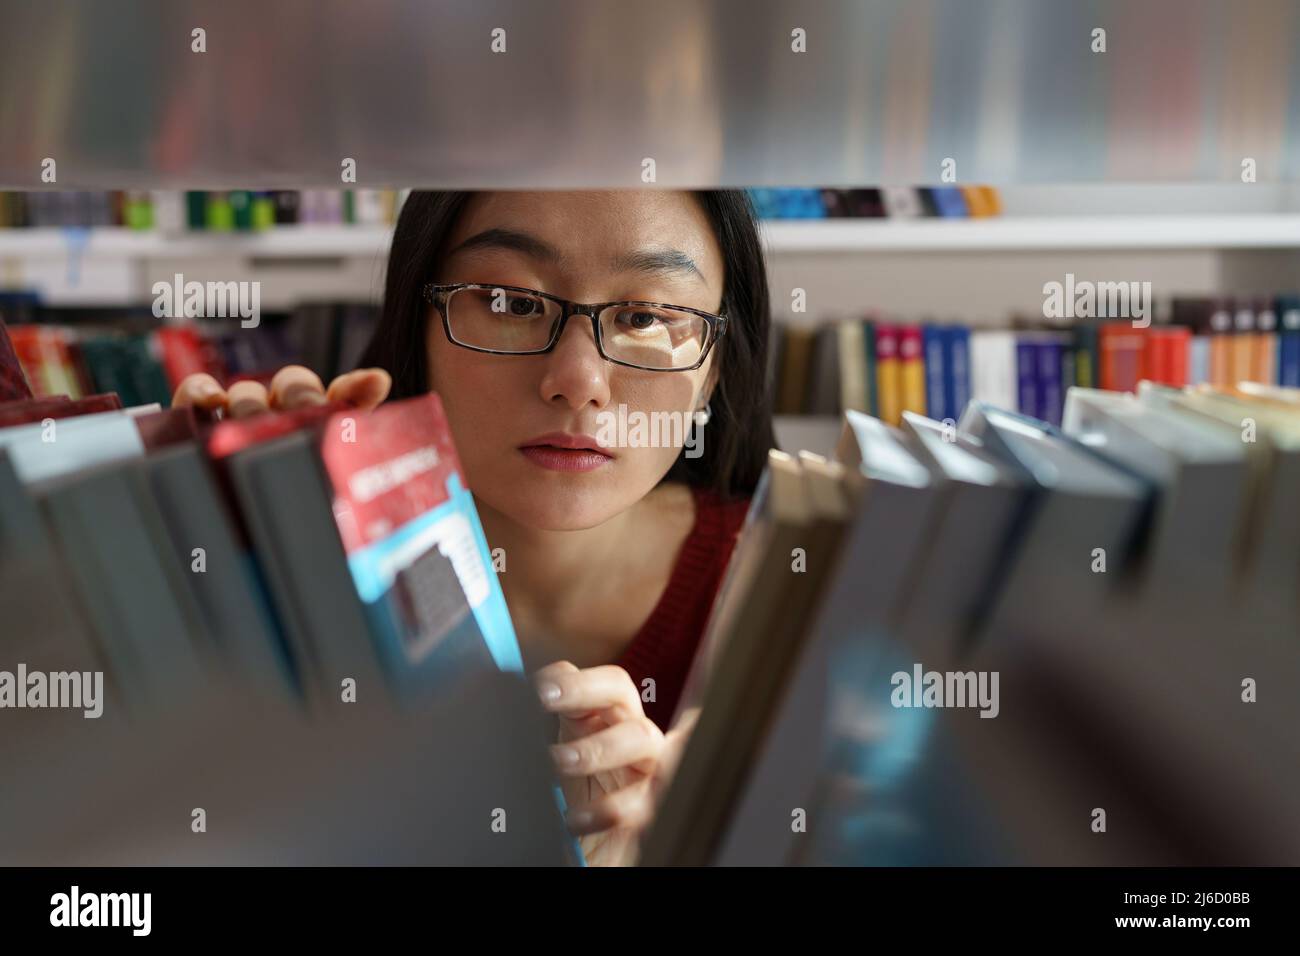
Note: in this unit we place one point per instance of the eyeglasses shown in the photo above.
(508, 320)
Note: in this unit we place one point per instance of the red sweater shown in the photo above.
(665, 646)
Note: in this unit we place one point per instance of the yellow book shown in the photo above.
(911, 366)
(889, 384)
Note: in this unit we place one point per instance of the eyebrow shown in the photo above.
(648, 261)
(530, 246)
(659, 262)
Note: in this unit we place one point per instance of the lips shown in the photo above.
(561, 451)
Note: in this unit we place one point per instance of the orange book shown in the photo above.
(1242, 348)
(979, 203)
(1263, 353)
(1221, 345)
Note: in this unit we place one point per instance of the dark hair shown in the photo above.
(739, 432)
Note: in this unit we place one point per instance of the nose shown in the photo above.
(575, 373)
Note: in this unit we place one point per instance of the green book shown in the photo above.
(263, 213)
(869, 347)
(196, 209)
(241, 207)
(218, 214)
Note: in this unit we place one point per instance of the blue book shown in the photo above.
(956, 368)
(1288, 341)
(949, 203)
(936, 371)
(1051, 391)
(1027, 398)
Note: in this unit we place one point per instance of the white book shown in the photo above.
(993, 367)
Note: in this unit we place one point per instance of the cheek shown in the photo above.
(479, 400)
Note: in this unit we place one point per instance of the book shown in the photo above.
(757, 638)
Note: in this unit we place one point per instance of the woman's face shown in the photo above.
(585, 247)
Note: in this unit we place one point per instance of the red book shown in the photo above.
(171, 426)
(59, 406)
(13, 381)
(235, 434)
(1166, 355)
(185, 352)
(1121, 349)
(415, 547)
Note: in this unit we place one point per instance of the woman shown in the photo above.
(613, 554)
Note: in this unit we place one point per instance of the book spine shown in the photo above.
(1085, 356)
(1027, 398)
(957, 360)
(911, 365)
(1243, 343)
(1051, 394)
(1288, 345)
(888, 384)
(872, 383)
(938, 376)
(853, 373)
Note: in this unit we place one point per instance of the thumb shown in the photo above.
(365, 388)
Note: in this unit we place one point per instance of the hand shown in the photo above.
(610, 756)
(294, 386)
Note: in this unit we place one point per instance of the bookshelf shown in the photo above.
(304, 241)
(1038, 233)
(988, 267)
(1041, 233)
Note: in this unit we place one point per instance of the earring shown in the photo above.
(702, 415)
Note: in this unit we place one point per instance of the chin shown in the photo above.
(558, 502)
(577, 511)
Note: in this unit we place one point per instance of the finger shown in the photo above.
(200, 390)
(248, 398)
(629, 807)
(590, 689)
(670, 755)
(295, 386)
(629, 743)
(365, 388)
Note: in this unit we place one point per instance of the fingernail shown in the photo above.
(205, 389)
(303, 394)
(580, 818)
(246, 407)
(548, 692)
(566, 756)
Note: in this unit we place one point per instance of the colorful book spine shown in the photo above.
(1121, 347)
(412, 535)
(1288, 350)
(1051, 391)
(1086, 360)
(936, 371)
(872, 370)
(911, 368)
(888, 376)
(1028, 398)
(957, 375)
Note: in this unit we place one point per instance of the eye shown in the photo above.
(524, 306)
(640, 321)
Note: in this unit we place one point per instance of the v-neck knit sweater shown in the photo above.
(665, 646)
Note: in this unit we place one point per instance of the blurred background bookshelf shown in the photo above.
(1222, 260)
